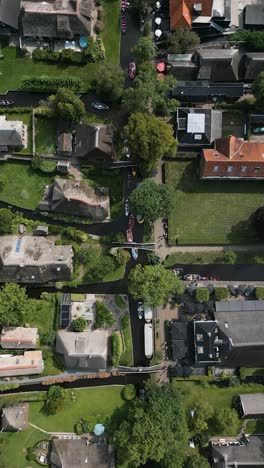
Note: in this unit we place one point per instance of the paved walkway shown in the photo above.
(62, 434)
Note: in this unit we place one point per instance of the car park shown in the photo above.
(99, 106)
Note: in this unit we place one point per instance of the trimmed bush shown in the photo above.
(79, 324)
(230, 257)
(104, 317)
(116, 348)
(129, 392)
(202, 294)
(221, 293)
(50, 83)
(259, 292)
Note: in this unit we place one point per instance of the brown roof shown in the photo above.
(236, 149)
(181, 12)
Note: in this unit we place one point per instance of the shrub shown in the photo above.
(259, 292)
(79, 324)
(104, 317)
(47, 166)
(122, 256)
(230, 257)
(99, 26)
(71, 233)
(30, 454)
(147, 29)
(202, 294)
(50, 83)
(221, 293)
(116, 348)
(56, 398)
(129, 392)
(105, 265)
(47, 338)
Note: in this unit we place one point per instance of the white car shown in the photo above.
(140, 310)
(192, 277)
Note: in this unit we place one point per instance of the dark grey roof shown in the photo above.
(254, 64)
(94, 139)
(209, 341)
(250, 454)
(219, 64)
(78, 454)
(205, 132)
(254, 15)
(9, 12)
(252, 404)
(196, 91)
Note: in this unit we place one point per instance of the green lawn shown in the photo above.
(13, 450)
(255, 427)
(14, 66)
(126, 358)
(210, 212)
(26, 117)
(24, 185)
(90, 401)
(200, 258)
(46, 136)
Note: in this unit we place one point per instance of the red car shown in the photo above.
(123, 24)
(132, 70)
(129, 235)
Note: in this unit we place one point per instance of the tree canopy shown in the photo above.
(178, 42)
(56, 399)
(149, 139)
(110, 81)
(150, 93)
(144, 50)
(142, 5)
(254, 40)
(67, 105)
(14, 304)
(153, 284)
(257, 219)
(226, 421)
(196, 461)
(79, 324)
(154, 430)
(258, 90)
(152, 200)
(6, 219)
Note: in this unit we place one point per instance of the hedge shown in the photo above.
(116, 348)
(202, 294)
(15, 110)
(221, 293)
(50, 83)
(259, 292)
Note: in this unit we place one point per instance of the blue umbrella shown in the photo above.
(99, 429)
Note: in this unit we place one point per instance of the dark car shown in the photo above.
(99, 106)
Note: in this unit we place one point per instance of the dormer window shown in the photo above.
(215, 155)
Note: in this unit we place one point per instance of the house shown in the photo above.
(254, 16)
(19, 338)
(201, 91)
(14, 417)
(254, 65)
(84, 350)
(251, 405)
(9, 14)
(234, 338)
(198, 126)
(239, 453)
(77, 453)
(61, 19)
(182, 66)
(218, 64)
(179, 339)
(94, 143)
(29, 363)
(233, 158)
(13, 134)
(34, 260)
(79, 199)
(65, 144)
(182, 12)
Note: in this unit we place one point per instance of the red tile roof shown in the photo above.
(235, 149)
(181, 12)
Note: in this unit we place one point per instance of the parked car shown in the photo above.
(178, 271)
(192, 277)
(99, 106)
(123, 24)
(249, 290)
(126, 208)
(140, 310)
(6, 102)
(232, 289)
(129, 235)
(132, 70)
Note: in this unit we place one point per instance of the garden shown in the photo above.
(46, 136)
(210, 212)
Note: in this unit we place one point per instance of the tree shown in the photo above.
(202, 413)
(129, 392)
(122, 256)
(153, 284)
(152, 200)
(67, 105)
(221, 293)
(149, 93)
(254, 40)
(159, 423)
(226, 421)
(230, 257)
(149, 139)
(196, 461)
(110, 81)
(56, 399)
(258, 91)
(180, 41)
(47, 338)
(6, 219)
(104, 317)
(142, 5)
(103, 267)
(202, 294)
(259, 292)
(258, 217)
(13, 305)
(144, 50)
(79, 324)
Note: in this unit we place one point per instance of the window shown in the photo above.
(257, 169)
(229, 168)
(216, 168)
(243, 169)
